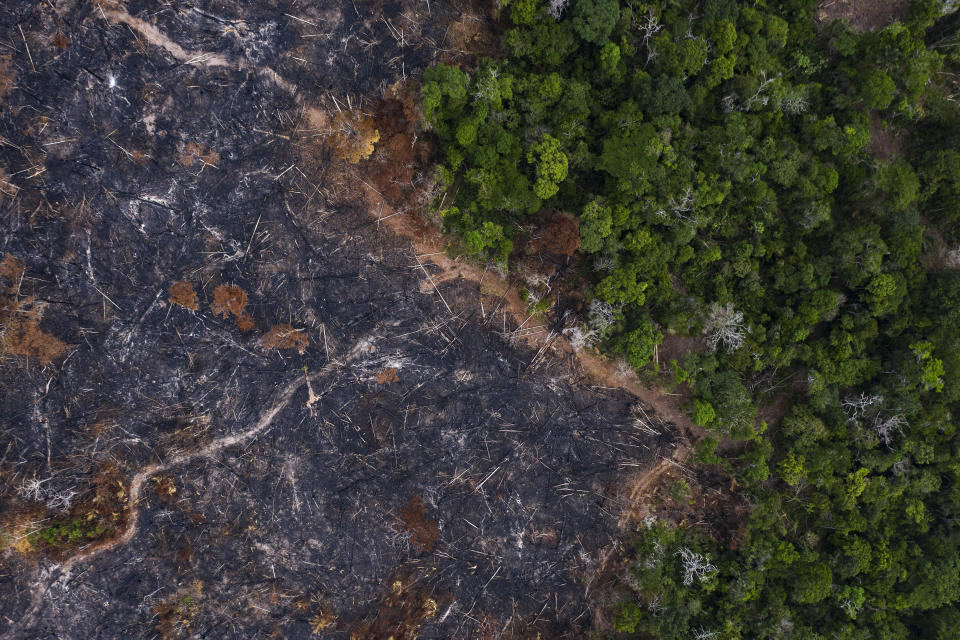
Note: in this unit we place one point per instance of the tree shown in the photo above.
(811, 583)
(638, 344)
(885, 292)
(703, 413)
(595, 19)
(551, 166)
(444, 93)
(632, 158)
(725, 326)
(596, 224)
(878, 89)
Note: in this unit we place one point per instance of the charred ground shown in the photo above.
(261, 420)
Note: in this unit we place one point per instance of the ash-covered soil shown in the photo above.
(232, 404)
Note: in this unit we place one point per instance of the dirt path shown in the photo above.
(48, 579)
(429, 245)
(153, 35)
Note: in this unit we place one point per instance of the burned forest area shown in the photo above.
(236, 401)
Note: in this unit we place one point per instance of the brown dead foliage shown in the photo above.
(23, 337)
(393, 171)
(193, 151)
(231, 300)
(400, 613)
(138, 157)
(20, 332)
(321, 622)
(174, 615)
(111, 501)
(387, 376)
(392, 168)
(19, 520)
(11, 270)
(61, 40)
(166, 488)
(472, 33)
(560, 235)
(354, 135)
(8, 76)
(884, 140)
(413, 519)
(183, 294)
(284, 336)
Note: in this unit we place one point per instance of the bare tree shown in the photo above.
(600, 317)
(851, 607)
(656, 557)
(887, 426)
(580, 337)
(36, 490)
(604, 263)
(856, 406)
(655, 606)
(556, 8)
(867, 411)
(695, 566)
(794, 102)
(725, 326)
(648, 26)
(758, 97)
(732, 101)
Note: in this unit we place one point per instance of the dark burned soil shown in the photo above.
(233, 403)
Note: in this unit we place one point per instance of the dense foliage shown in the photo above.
(719, 157)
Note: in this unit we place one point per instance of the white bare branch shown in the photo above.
(725, 326)
(856, 406)
(695, 566)
(556, 8)
(600, 317)
(703, 634)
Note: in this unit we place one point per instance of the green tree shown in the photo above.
(811, 583)
(638, 344)
(878, 89)
(596, 224)
(551, 166)
(595, 19)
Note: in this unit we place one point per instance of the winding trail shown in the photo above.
(153, 35)
(49, 578)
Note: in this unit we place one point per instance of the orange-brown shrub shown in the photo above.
(423, 531)
(354, 136)
(387, 376)
(61, 40)
(182, 293)
(284, 336)
(231, 300)
(193, 151)
(20, 332)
